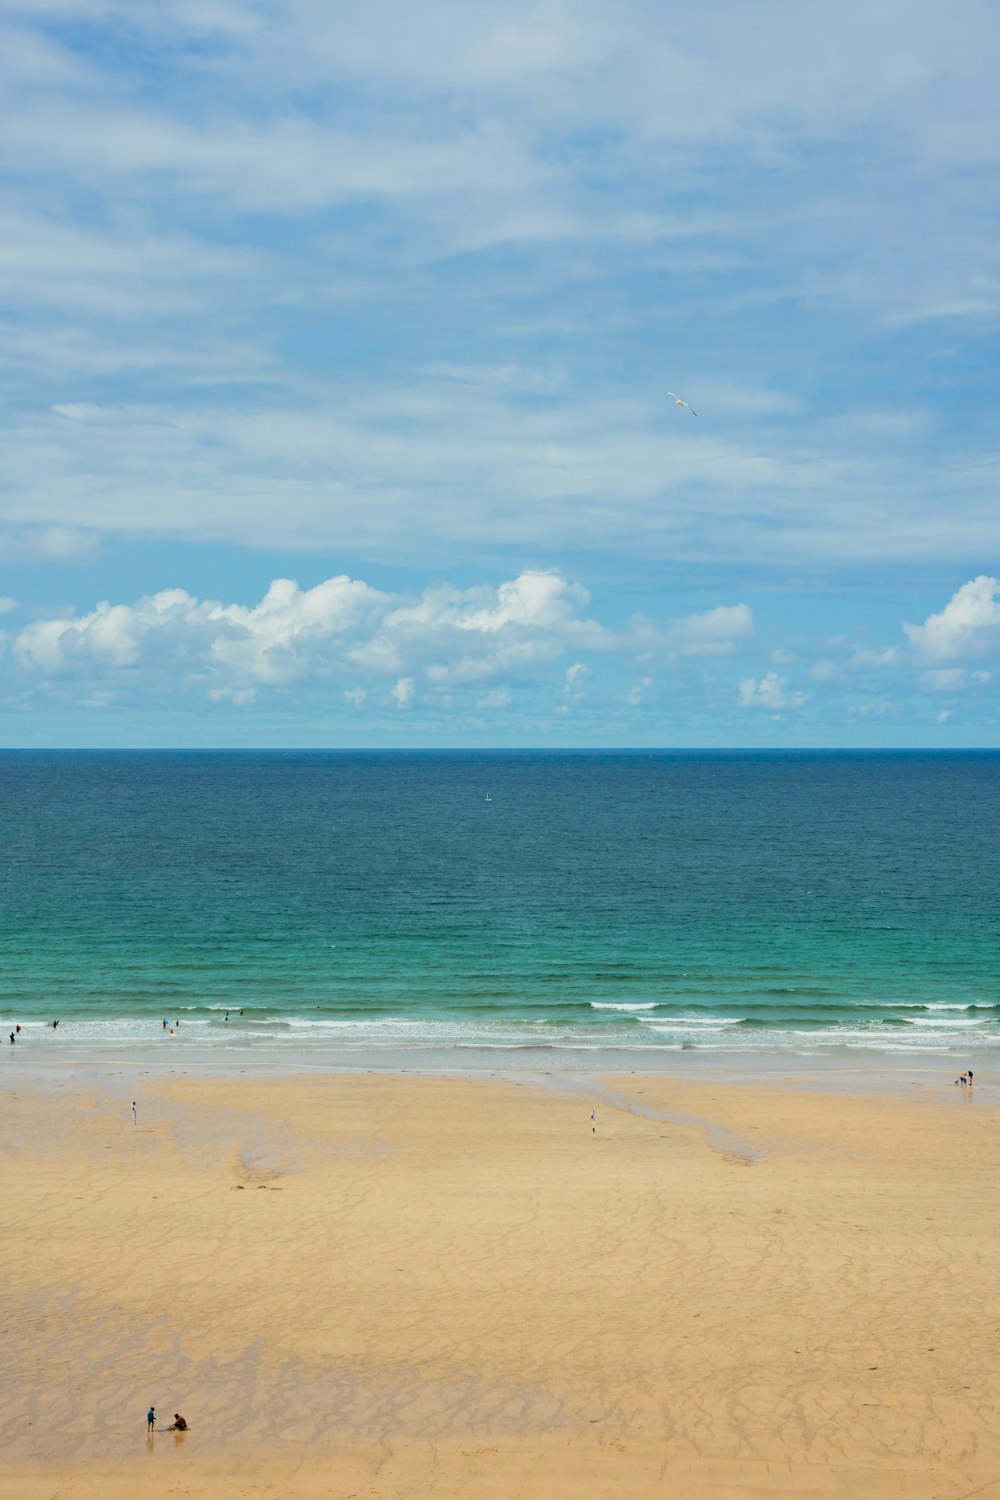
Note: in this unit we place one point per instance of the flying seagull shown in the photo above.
(679, 402)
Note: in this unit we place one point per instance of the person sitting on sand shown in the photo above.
(178, 1424)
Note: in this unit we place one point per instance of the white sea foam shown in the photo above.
(671, 1022)
(942, 1021)
(624, 1005)
(329, 1036)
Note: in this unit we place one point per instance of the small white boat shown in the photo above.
(487, 798)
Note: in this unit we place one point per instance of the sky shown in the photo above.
(336, 344)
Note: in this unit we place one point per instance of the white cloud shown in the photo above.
(400, 469)
(7, 604)
(943, 680)
(59, 544)
(866, 659)
(201, 358)
(454, 135)
(711, 633)
(945, 715)
(634, 697)
(533, 601)
(576, 681)
(871, 710)
(442, 641)
(823, 671)
(967, 627)
(281, 639)
(769, 693)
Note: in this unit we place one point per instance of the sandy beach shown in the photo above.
(385, 1285)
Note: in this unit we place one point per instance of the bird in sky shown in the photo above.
(679, 402)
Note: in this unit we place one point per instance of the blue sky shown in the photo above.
(336, 343)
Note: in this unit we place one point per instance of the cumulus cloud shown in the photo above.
(345, 633)
(294, 633)
(769, 693)
(712, 633)
(279, 640)
(967, 627)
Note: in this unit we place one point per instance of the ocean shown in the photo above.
(736, 900)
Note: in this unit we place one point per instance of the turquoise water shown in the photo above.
(743, 900)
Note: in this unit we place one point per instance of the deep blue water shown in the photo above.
(735, 899)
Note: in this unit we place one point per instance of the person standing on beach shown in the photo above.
(151, 1419)
(12, 1039)
(593, 1122)
(969, 1077)
(135, 1121)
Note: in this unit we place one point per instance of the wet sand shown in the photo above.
(380, 1285)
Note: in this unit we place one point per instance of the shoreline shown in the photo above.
(843, 1069)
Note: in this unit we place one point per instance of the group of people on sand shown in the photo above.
(965, 1079)
(177, 1425)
